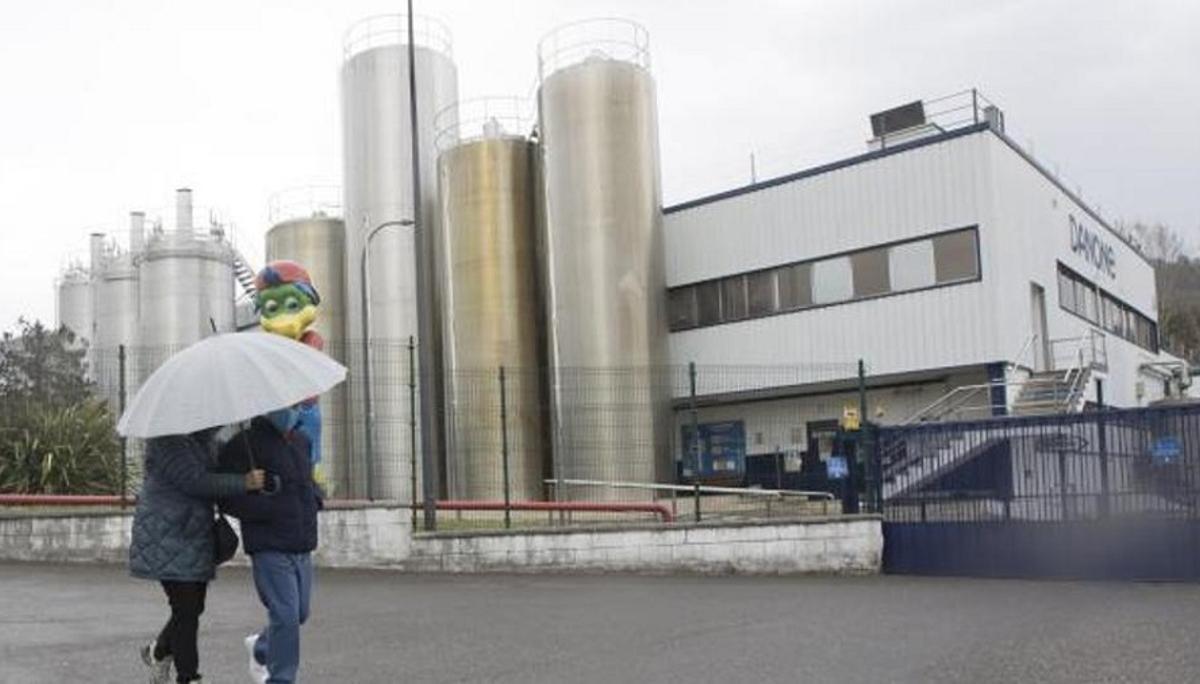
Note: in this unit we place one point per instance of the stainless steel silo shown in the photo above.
(491, 300)
(378, 188)
(115, 315)
(316, 240)
(605, 268)
(73, 302)
(185, 286)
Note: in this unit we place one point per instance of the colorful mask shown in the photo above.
(287, 305)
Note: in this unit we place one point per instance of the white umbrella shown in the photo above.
(225, 379)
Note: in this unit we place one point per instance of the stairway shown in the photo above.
(1051, 392)
(244, 275)
(929, 456)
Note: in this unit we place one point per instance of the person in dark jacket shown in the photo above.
(173, 541)
(279, 531)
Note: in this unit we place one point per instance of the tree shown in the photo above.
(1177, 279)
(56, 437)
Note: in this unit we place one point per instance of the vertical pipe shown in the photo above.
(121, 405)
(137, 231)
(368, 404)
(695, 439)
(183, 210)
(422, 243)
(504, 451)
(412, 427)
(96, 252)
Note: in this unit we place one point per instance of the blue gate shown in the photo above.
(1108, 494)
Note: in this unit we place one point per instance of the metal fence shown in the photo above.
(1105, 494)
(539, 446)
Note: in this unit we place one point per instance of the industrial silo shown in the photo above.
(73, 302)
(185, 286)
(307, 228)
(378, 189)
(115, 307)
(491, 301)
(604, 260)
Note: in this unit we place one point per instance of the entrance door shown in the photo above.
(1041, 343)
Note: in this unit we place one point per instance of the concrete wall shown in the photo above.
(851, 545)
(381, 537)
(360, 537)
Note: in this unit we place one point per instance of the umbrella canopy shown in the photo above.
(225, 379)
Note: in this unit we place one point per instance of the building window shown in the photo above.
(708, 303)
(871, 273)
(945, 259)
(956, 256)
(795, 286)
(911, 266)
(733, 298)
(682, 308)
(832, 281)
(760, 290)
(1081, 297)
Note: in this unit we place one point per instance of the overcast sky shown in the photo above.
(107, 106)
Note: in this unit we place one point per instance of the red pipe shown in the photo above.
(61, 500)
(661, 510)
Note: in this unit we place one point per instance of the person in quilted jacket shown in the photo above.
(173, 541)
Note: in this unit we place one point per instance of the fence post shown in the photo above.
(504, 451)
(1102, 447)
(412, 426)
(121, 390)
(975, 105)
(695, 439)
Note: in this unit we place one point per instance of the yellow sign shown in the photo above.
(850, 418)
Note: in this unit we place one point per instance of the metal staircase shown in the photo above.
(244, 275)
(1052, 392)
(925, 457)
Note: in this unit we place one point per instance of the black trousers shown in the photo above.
(178, 636)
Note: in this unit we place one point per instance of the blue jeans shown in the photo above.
(284, 583)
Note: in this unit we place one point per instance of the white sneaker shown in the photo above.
(258, 671)
(160, 670)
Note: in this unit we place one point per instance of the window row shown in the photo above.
(927, 262)
(1081, 297)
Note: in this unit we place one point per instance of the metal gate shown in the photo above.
(1107, 494)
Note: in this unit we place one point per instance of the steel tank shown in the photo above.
(318, 243)
(604, 260)
(378, 188)
(492, 304)
(115, 311)
(185, 287)
(73, 302)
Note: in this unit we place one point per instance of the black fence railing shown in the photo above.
(1097, 465)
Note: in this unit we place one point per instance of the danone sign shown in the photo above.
(1087, 243)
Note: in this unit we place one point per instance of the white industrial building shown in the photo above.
(969, 279)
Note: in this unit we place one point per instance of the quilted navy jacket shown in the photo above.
(285, 519)
(172, 528)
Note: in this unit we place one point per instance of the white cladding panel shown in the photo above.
(914, 193)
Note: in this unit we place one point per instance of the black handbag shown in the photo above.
(225, 540)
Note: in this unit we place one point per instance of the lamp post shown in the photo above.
(368, 390)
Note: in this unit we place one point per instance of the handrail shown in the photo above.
(661, 510)
(703, 489)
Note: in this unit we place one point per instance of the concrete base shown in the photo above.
(381, 537)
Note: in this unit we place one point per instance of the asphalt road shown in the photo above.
(85, 623)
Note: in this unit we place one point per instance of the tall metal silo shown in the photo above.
(605, 270)
(378, 188)
(115, 307)
(73, 302)
(185, 286)
(308, 230)
(492, 306)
